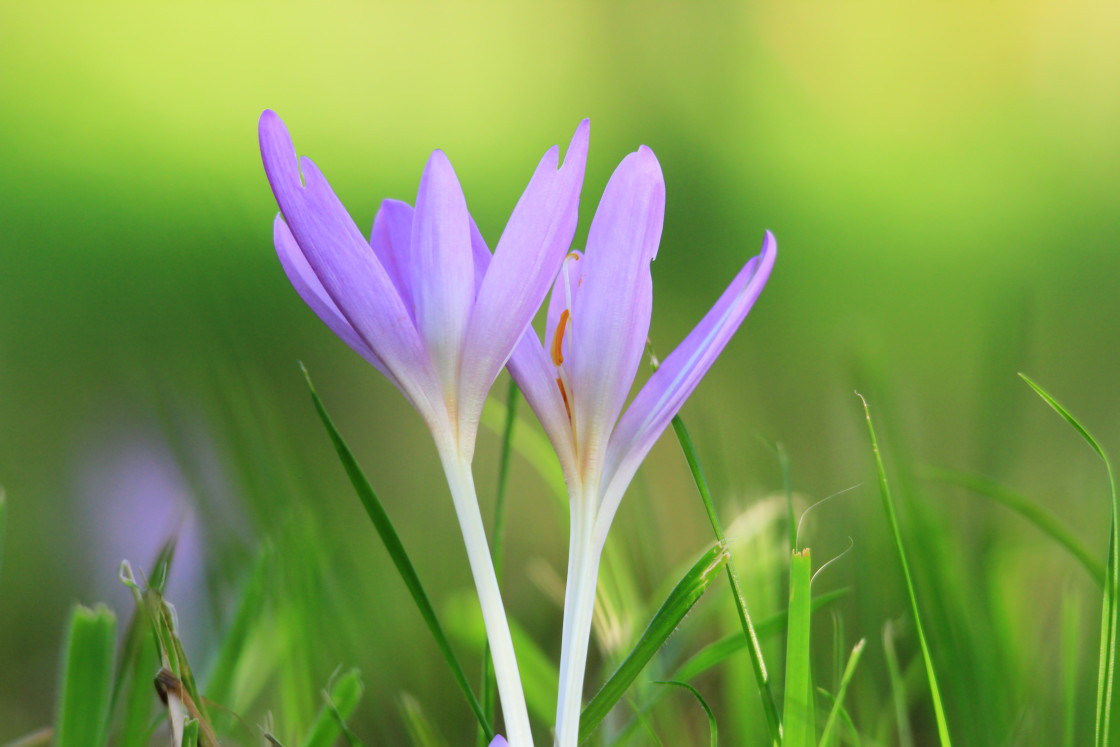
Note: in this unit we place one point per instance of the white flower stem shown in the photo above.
(579, 608)
(514, 712)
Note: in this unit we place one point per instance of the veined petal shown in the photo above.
(526, 260)
(344, 264)
(610, 315)
(668, 388)
(391, 240)
(442, 268)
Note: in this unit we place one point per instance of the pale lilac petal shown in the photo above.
(668, 388)
(311, 291)
(345, 265)
(564, 292)
(481, 255)
(526, 260)
(610, 317)
(391, 239)
(442, 267)
(499, 741)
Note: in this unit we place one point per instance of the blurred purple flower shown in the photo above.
(577, 382)
(499, 741)
(425, 302)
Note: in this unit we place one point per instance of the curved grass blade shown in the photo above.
(838, 703)
(888, 508)
(1042, 519)
(798, 712)
(341, 700)
(87, 678)
(713, 727)
(1109, 611)
(397, 553)
(758, 663)
(686, 593)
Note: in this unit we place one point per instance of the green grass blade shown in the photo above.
(3, 523)
(497, 551)
(888, 508)
(686, 593)
(798, 722)
(1071, 656)
(719, 651)
(250, 608)
(341, 700)
(898, 688)
(132, 696)
(758, 663)
(1039, 517)
(421, 730)
(87, 678)
(1109, 609)
(713, 727)
(190, 733)
(837, 704)
(393, 545)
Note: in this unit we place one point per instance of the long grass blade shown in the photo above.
(758, 662)
(898, 688)
(888, 508)
(1109, 610)
(87, 678)
(393, 545)
(838, 703)
(250, 606)
(1044, 521)
(1071, 657)
(340, 702)
(799, 724)
(713, 726)
(686, 593)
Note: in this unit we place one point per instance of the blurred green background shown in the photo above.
(942, 179)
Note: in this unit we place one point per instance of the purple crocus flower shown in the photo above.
(578, 381)
(499, 741)
(428, 306)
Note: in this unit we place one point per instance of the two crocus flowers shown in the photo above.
(428, 305)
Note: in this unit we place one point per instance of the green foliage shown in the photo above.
(393, 545)
(798, 712)
(340, 700)
(82, 718)
(685, 594)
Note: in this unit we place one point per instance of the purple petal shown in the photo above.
(525, 262)
(668, 388)
(344, 264)
(442, 267)
(499, 741)
(391, 240)
(610, 318)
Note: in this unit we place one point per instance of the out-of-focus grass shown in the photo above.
(942, 183)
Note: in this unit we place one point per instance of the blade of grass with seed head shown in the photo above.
(838, 703)
(892, 518)
(82, 718)
(798, 722)
(393, 545)
(1109, 611)
(758, 663)
(680, 600)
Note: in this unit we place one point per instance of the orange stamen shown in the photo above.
(558, 338)
(564, 396)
